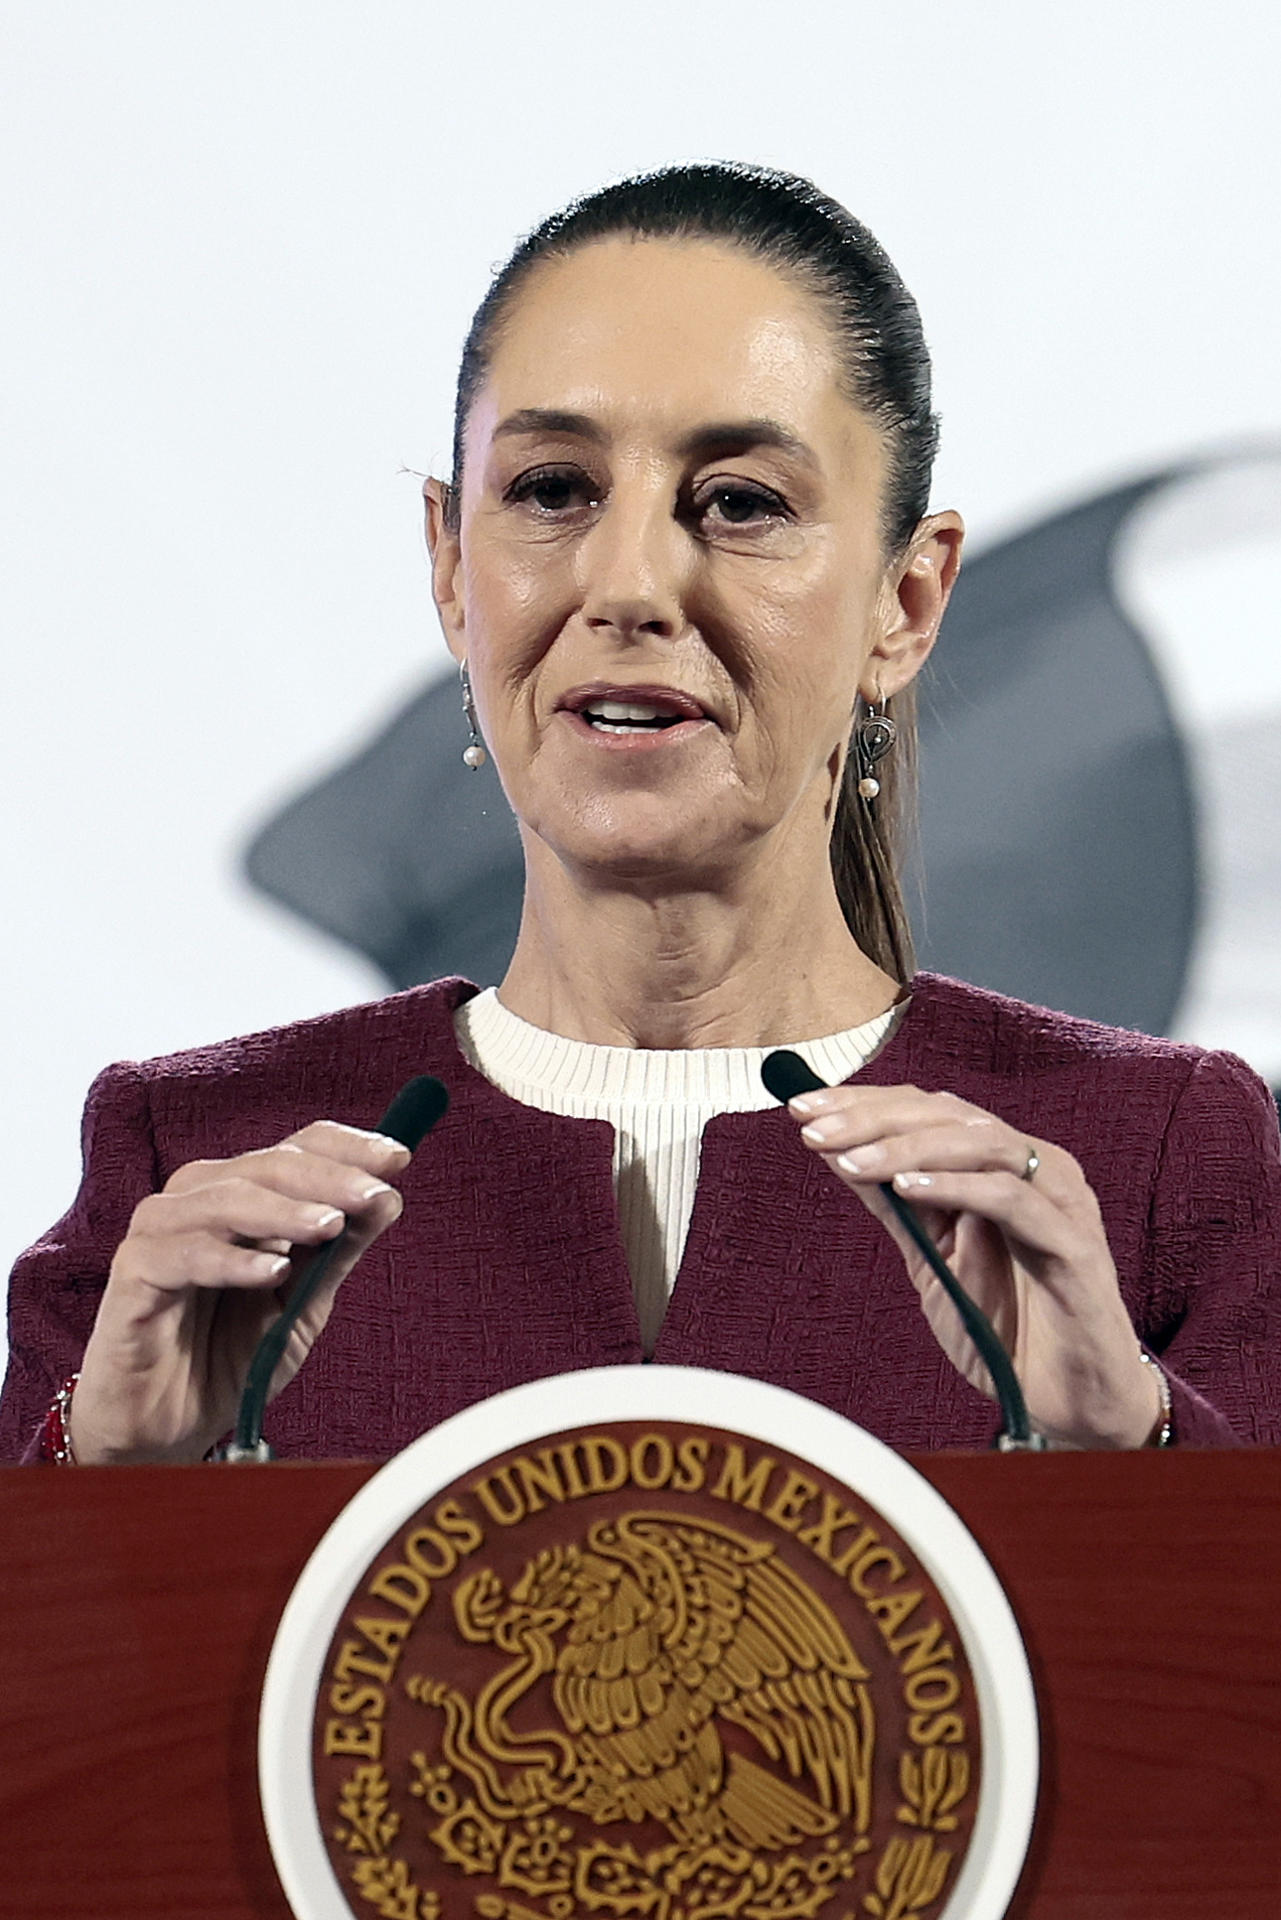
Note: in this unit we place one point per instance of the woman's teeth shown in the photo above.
(617, 716)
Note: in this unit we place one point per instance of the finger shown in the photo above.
(881, 1108)
(358, 1235)
(353, 1146)
(853, 1126)
(239, 1208)
(1013, 1204)
(173, 1263)
(364, 1228)
(340, 1259)
(992, 1148)
(292, 1171)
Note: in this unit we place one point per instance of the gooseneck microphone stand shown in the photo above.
(785, 1075)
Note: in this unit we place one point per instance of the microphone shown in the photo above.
(411, 1116)
(785, 1074)
(415, 1110)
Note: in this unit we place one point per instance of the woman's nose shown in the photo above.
(634, 570)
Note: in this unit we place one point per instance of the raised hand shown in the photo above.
(203, 1272)
(1020, 1228)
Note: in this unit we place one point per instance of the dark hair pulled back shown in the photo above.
(785, 221)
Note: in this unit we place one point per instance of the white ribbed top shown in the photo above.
(658, 1102)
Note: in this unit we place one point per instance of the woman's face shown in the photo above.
(668, 578)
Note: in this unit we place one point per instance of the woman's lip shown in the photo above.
(666, 699)
(634, 739)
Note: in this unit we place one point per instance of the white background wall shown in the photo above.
(238, 250)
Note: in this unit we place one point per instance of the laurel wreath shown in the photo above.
(909, 1877)
(932, 1783)
(368, 1825)
(907, 1880)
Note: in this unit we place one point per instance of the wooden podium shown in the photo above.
(138, 1607)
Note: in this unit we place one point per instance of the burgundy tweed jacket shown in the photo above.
(507, 1264)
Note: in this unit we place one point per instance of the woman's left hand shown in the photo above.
(1030, 1251)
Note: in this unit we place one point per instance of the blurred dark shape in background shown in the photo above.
(403, 852)
(1058, 830)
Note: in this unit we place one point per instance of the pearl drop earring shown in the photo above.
(874, 735)
(474, 754)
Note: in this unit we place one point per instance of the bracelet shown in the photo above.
(55, 1436)
(1164, 1433)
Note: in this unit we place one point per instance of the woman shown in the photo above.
(687, 570)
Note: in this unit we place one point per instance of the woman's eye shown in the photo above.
(739, 506)
(554, 490)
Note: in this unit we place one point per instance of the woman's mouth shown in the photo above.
(617, 716)
(634, 714)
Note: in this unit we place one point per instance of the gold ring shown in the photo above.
(1033, 1162)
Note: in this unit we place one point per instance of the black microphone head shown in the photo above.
(415, 1110)
(785, 1074)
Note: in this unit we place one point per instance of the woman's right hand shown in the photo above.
(204, 1271)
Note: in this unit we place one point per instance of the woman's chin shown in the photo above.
(650, 844)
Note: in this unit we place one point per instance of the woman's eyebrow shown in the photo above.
(740, 436)
(726, 437)
(579, 426)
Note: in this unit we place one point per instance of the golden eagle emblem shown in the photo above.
(696, 1681)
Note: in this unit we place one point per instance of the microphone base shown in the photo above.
(238, 1455)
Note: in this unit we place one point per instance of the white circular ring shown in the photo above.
(948, 1551)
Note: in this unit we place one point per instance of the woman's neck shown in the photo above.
(747, 966)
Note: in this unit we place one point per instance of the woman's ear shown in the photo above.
(916, 595)
(446, 563)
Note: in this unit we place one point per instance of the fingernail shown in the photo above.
(803, 1103)
(820, 1130)
(325, 1218)
(372, 1191)
(860, 1161)
(905, 1181)
(272, 1266)
(398, 1146)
